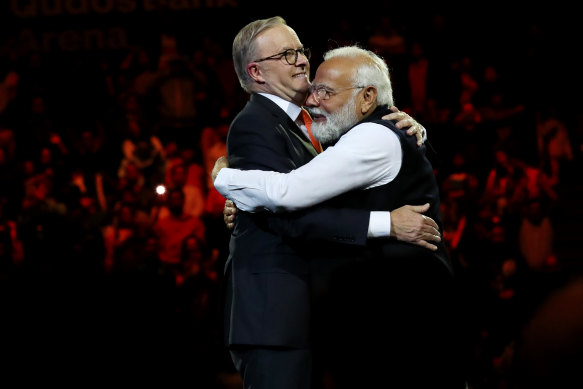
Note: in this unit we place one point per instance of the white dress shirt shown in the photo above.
(367, 156)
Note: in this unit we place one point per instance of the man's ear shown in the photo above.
(255, 72)
(369, 99)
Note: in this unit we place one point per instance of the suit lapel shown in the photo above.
(286, 122)
(302, 138)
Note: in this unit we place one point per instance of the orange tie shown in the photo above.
(308, 123)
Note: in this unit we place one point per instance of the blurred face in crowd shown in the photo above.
(175, 203)
(275, 75)
(46, 155)
(178, 175)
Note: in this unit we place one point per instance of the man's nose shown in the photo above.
(312, 101)
(302, 60)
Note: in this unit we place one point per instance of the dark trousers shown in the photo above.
(273, 367)
(390, 323)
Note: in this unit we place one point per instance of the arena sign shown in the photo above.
(51, 26)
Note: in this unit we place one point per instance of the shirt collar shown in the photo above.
(292, 110)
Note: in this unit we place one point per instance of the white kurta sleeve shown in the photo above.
(369, 155)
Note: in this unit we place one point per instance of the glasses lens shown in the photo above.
(319, 94)
(291, 56)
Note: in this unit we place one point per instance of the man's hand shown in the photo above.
(229, 214)
(229, 210)
(220, 163)
(404, 120)
(408, 224)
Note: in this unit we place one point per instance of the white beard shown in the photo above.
(336, 124)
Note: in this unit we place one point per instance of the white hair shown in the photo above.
(374, 71)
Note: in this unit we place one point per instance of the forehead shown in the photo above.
(277, 39)
(335, 73)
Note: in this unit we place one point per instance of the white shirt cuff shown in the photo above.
(379, 225)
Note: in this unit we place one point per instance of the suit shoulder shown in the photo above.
(254, 112)
(249, 123)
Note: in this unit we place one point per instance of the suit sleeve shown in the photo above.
(257, 144)
(320, 223)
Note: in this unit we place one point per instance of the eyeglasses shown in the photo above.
(291, 55)
(322, 93)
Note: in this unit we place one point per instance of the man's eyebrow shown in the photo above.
(285, 48)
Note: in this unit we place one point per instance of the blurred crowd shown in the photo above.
(112, 236)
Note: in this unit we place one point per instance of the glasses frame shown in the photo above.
(305, 51)
(329, 93)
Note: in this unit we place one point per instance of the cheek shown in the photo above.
(330, 107)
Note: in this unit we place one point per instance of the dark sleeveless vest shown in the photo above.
(415, 184)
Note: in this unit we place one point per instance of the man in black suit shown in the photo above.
(393, 297)
(267, 298)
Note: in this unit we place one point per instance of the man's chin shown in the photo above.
(302, 93)
(302, 83)
(320, 133)
(324, 133)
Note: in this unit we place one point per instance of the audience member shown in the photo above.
(175, 98)
(418, 74)
(121, 228)
(140, 146)
(217, 83)
(188, 177)
(141, 71)
(11, 254)
(536, 235)
(553, 143)
(173, 226)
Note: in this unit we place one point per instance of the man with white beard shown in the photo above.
(371, 164)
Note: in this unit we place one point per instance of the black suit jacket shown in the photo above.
(267, 275)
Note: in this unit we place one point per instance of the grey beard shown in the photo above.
(336, 124)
